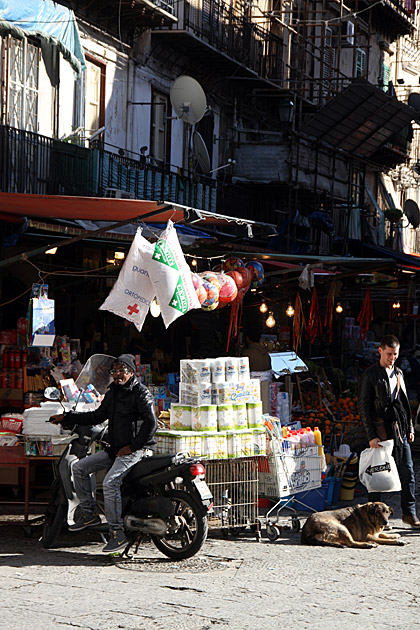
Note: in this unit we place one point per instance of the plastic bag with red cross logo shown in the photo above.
(133, 291)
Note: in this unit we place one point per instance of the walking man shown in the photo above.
(385, 413)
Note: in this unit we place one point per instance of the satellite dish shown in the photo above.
(414, 101)
(412, 212)
(188, 99)
(201, 158)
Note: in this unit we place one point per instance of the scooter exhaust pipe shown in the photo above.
(154, 526)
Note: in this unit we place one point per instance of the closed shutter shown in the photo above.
(360, 64)
(384, 79)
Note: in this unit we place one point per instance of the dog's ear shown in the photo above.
(391, 511)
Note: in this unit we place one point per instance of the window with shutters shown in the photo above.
(384, 77)
(160, 129)
(328, 62)
(94, 95)
(360, 63)
(20, 97)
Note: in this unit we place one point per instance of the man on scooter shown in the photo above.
(129, 408)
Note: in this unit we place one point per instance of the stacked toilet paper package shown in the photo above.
(219, 414)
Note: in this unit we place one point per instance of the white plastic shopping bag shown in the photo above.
(171, 276)
(133, 291)
(378, 470)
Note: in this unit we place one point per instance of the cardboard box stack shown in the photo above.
(219, 413)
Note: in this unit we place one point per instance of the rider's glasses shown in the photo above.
(122, 370)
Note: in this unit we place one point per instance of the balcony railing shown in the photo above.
(34, 164)
(153, 182)
(233, 33)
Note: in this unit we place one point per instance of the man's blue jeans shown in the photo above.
(408, 486)
(117, 470)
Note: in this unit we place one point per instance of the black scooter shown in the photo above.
(163, 496)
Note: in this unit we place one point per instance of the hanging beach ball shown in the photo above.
(200, 291)
(228, 288)
(212, 277)
(241, 276)
(212, 300)
(257, 273)
(232, 263)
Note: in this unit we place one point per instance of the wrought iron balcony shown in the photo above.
(228, 36)
(146, 181)
(34, 164)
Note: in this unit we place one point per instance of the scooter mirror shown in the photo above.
(52, 393)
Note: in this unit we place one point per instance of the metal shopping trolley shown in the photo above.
(289, 475)
(234, 485)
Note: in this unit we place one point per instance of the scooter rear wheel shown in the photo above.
(55, 517)
(189, 526)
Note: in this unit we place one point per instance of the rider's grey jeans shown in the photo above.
(117, 470)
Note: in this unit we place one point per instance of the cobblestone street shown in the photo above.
(234, 583)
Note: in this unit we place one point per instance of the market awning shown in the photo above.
(48, 21)
(110, 209)
(118, 212)
(360, 119)
(406, 261)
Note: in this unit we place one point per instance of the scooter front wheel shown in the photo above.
(187, 528)
(55, 517)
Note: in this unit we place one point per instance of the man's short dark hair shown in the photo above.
(389, 340)
(253, 335)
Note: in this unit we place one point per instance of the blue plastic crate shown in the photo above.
(310, 500)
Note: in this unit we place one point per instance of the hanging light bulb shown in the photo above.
(339, 308)
(290, 311)
(263, 308)
(194, 262)
(270, 321)
(154, 308)
(398, 305)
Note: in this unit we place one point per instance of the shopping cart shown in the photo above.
(234, 485)
(289, 474)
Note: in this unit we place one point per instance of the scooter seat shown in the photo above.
(149, 465)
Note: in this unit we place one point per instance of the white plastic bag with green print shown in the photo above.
(133, 291)
(171, 276)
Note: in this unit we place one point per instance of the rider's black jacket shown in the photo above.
(130, 411)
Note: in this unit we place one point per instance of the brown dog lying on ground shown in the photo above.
(360, 526)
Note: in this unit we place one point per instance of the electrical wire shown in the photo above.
(43, 275)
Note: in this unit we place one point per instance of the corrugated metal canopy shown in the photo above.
(360, 119)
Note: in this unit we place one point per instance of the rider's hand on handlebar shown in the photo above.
(58, 419)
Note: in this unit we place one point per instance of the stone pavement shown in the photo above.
(234, 583)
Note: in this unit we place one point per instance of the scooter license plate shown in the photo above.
(203, 489)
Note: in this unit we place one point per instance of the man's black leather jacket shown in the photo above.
(375, 395)
(130, 411)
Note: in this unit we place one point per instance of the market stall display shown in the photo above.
(219, 419)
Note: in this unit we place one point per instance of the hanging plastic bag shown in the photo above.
(378, 470)
(41, 317)
(133, 291)
(170, 275)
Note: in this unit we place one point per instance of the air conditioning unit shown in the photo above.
(115, 193)
(347, 32)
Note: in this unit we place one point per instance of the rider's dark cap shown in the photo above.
(128, 360)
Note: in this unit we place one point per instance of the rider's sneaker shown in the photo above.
(84, 521)
(117, 541)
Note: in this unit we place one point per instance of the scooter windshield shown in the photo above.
(94, 378)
